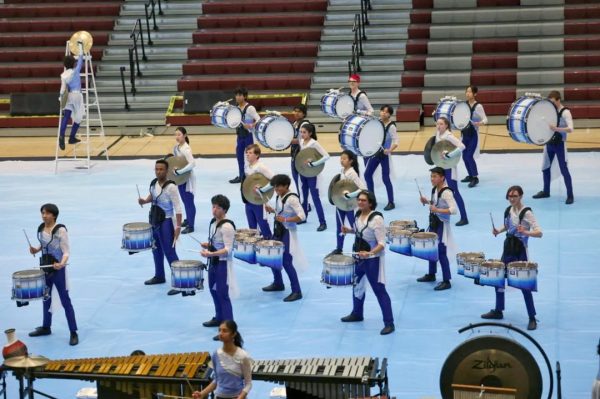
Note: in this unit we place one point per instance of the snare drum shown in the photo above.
(225, 115)
(243, 248)
(425, 246)
(270, 253)
(523, 275)
(137, 237)
(471, 267)
(457, 112)
(400, 241)
(461, 257)
(529, 120)
(338, 270)
(187, 275)
(274, 132)
(363, 135)
(492, 272)
(337, 104)
(241, 233)
(29, 285)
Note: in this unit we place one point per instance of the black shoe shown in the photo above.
(387, 330)
(187, 230)
(40, 331)
(462, 222)
(74, 340)
(541, 194)
(389, 206)
(273, 287)
(322, 227)
(212, 323)
(235, 180)
(427, 278)
(74, 140)
(532, 325)
(301, 222)
(188, 293)
(173, 292)
(216, 337)
(444, 285)
(155, 280)
(569, 200)
(61, 143)
(351, 318)
(294, 296)
(335, 252)
(493, 315)
(474, 182)
(185, 223)
(466, 179)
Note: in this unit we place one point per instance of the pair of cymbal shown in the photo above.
(86, 40)
(26, 362)
(434, 153)
(177, 162)
(337, 189)
(249, 189)
(301, 162)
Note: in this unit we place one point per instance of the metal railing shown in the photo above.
(151, 4)
(357, 45)
(365, 5)
(122, 70)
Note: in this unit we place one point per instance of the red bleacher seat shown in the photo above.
(255, 51)
(416, 47)
(410, 97)
(56, 25)
(45, 39)
(419, 4)
(41, 55)
(582, 27)
(582, 43)
(49, 11)
(29, 86)
(493, 61)
(253, 6)
(582, 12)
(582, 94)
(246, 67)
(420, 17)
(487, 96)
(259, 21)
(257, 35)
(582, 76)
(498, 3)
(582, 59)
(415, 63)
(413, 79)
(408, 113)
(418, 31)
(494, 78)
(495, 46)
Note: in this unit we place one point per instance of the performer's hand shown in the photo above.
(57, 266)
(248, 126)
(197, 395)
(433, 208)
(364, 254)
(445, 155)
(280, 218)
(206, 253)
(424, 200)
(257, 188)
(141, 201)
(552, 127)
(495, 231)
(176, 235)
(522, 230)
(477, 123)
(204, 245)
(307, 162)
(346, 230)
(346, 194)
(33, 250)
(176, 171)
(387, 151)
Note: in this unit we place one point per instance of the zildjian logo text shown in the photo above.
(489, 364)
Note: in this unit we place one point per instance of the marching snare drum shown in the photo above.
(529, 120)
(492, 273)
(29, 285)
(337, 104)
(240, 233)
(187, 275)
(471, 266)
(363, 135)
(424, 246)
(400, 240)
(274, 132)
(137, 237)
(243, 248)
(523, 275)
(461, 257)
(225, 115)
(410, 225)
(270, 253)
(457, 112)
(338, 270)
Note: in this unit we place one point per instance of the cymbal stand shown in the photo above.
(3, 383)
(27, 392)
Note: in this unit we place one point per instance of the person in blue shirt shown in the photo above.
(74, 109)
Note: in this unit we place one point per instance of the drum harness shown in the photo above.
(386, 128)
(47, 258)
(513, 246)
(295, 148)
(360, 244)
(557, 137)
(241, 131)
(157, 214)
(355, 99)
(470, 130)
(279, 229)
(434, 220)
(213, 261)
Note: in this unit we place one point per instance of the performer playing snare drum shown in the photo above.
(362, 105)
(470, 136)
(519, 224)
(244, 130)
(186, 190)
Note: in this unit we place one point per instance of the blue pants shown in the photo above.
(255, 217)
(558, 150)
(443, 257)
(339, 219)
(188, 203)
(240, 149)
(470, 142)
(57, 278)
(219, 290)
(371, 164)
(288, 266)
(310, 183)
(295, 176)
(457, 197)
(65, 121)
(370, 267)
(163, 235)
(527, 295)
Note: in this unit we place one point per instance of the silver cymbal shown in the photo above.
(437, 154)
(85, 38)
(178, 162)
(427, 150)
(308, 154)
(250, 194)
(335, 179)
(25, 362)
(337, 195)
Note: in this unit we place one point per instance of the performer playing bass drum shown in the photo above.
(188, 189)
(244, 130)
(470, 136)
(362, 105)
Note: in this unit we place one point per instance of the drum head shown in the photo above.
(137, 226)
(279, 134)
(344, 105)
(541, 115)
(234, 117)
(371, 138)
(462, 115)
(32, 273)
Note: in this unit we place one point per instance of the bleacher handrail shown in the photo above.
(357, 48)
(152, 14)
(132, 70)
(122, 70)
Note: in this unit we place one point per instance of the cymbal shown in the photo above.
(335, 179)
(25, 362)
(427, 150)
(250, 194)
(308, 154)
(177, 162)
(338, 198)
(85, 38)
(437, 154)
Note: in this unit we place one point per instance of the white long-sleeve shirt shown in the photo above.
(258, 167)
(448, 136)
(185, 150)
(312, 143)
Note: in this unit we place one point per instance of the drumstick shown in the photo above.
(188, 382)
(49, 266)
(339, 217)
(139, 195)
(194, 238)
(194, 250)
(492, 219)
(419, 188)
(29, 242)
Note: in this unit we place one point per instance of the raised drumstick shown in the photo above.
(29, 242)
(419, 188)
(139, 195)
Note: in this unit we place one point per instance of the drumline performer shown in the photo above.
(54, 245)
(383, 157)
(519, 224)
(188, 189)
(470, 136)
(255, 213)
(300, 115)
(288, 212)
(165, 218)
(362, 105)
(308, 139)
(441, 206)
(244, 130)
(369, 246)
(70, 80)
(218, 250)
(557, 147)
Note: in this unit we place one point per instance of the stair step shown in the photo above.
(155, 35)
(173, 25)
(156, 42)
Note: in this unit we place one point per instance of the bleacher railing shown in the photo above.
(152, 14)
(357, 46)
(122, 70)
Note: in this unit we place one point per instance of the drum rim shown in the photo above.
(33, 273)
(139, 224)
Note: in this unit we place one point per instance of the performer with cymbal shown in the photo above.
(70, 81)
(362, 105)
(187, 189)
(244, 130)
(54, 244)
(300, 115)
(255, 213)
(470, 136)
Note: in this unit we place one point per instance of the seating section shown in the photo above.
(506, 48)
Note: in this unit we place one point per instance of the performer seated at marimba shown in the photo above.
(362, 105)
(369, 246)
(244, 130)
(218, 250)
(519, 224)
(441, 206)
(187, 189)
(232, 366)
(70, 80)
(288, 212)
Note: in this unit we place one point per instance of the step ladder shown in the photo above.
(83, 151)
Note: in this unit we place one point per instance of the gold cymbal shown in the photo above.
(437, 154)
(25, 362)
(335, 179)
(250, 194)
(427, 150)
(177, 162)
(308, 154)
(338, 198)
(85, 38)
